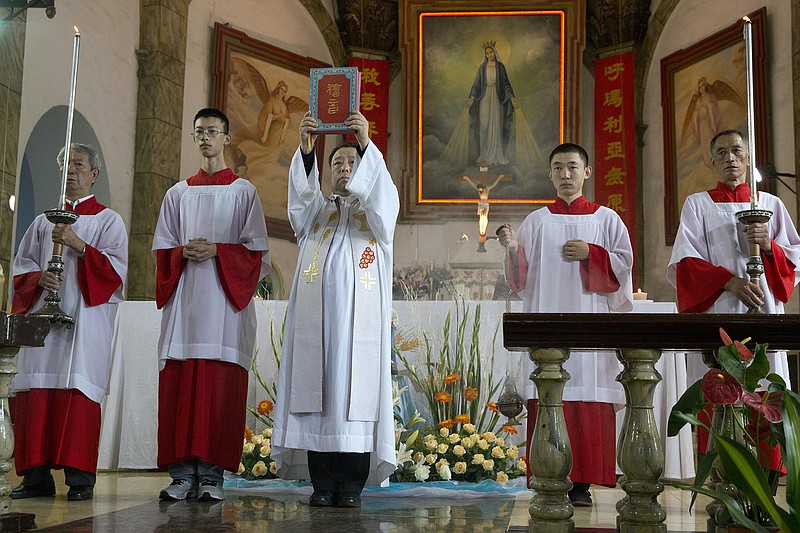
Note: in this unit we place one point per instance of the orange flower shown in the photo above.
(451, 378)
(248, 433)
(445, 424)
(470, 393)
(462, 419)
(511, 430)
(443, 397)
(265, 407)
(493, 407)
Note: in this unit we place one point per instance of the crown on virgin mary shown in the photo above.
(489, 44)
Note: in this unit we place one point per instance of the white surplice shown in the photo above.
(710, 231)
(199, 322)
(79, 357)
(337, 230)
(553, 285)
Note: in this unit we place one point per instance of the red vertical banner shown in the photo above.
(615, 139)
(375, 98)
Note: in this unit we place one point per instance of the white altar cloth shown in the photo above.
(129, 431)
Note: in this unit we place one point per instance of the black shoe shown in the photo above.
(580, 497)
(45, 488)
(79, 493)
(321, 499)
(348, 499)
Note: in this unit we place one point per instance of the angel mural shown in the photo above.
(257, 142)
(703, 118)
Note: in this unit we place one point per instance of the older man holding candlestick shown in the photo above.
(709, 259)
(59, 388)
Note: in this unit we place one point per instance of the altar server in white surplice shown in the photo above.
(709, 258)
(574, 256)
(211, 250)
(59, 387)
(333, 417)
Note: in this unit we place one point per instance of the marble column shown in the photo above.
(12, 43)
(159, 115)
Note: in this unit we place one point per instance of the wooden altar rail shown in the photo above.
(639, 339)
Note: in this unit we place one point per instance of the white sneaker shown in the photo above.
(210, 489)
(179, 489)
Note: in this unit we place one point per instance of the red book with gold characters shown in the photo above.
(335, 95)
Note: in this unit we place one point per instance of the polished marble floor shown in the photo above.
(128, 501)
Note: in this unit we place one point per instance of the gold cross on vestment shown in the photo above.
(368, 281)
(310, 272)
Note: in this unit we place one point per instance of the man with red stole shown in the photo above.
(59, 387)
(211, 250)
(575, 256)
(709, 258)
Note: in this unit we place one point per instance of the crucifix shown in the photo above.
(483, 200)
(310, 272)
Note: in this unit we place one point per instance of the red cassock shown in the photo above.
(202, 399)
(55, 425)
(591, 425)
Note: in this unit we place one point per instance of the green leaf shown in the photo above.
(733, 506)
(758, 369)
(744, 471)
(729, 360)
(791, 452)
(691, 402)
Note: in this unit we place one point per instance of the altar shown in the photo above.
(129, 432)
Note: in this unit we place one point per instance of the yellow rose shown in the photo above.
(241, 470)
(474, 438)
(418, 457)
(273, 467)
(466, 442)
(477, 459)
(444, 432)
(460, 467)
(454, 438)
(502, 477)
(265, 450)
(488, 464)
(248, 447)
(430, 458)
(500, 441)
(258, 439)
(521, 465)
(259, 469)
(512, 452)
(431, 444)
(483, 444)
(442, 448)
(267, 432)
(459, 450)
(489, 436)
(469, 428)
(497, 452)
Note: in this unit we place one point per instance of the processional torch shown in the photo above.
(51, 310)
(755, 267)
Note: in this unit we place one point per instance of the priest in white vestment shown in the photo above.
(333, 415)
(211, 251)
(575, 256)
(709, 258)
(59, 387)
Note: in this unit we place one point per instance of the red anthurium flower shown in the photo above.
(766, 403)
(726, 339)
(719, 387)
(744, 351)
(758, 428)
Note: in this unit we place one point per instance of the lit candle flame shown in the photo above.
(746, 18)
(77, 32)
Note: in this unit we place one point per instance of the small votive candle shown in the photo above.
(639, 295)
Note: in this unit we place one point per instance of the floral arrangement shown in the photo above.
(742, 449)
(256, 462)
(418, 281)
(463, 455)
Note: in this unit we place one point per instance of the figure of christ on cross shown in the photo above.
(483, 200)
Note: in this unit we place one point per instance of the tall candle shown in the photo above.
(751, 129)
(76, 47)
